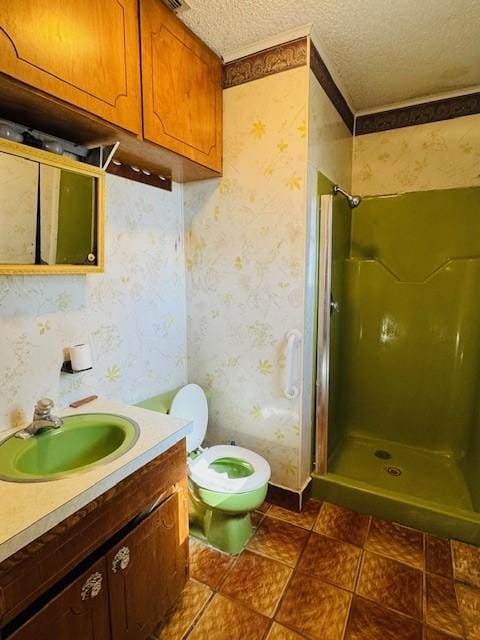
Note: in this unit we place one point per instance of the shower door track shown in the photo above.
(323, 345)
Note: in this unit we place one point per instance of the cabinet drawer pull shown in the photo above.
(92, 586)
(121, 559)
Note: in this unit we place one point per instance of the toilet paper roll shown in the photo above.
(80, 357)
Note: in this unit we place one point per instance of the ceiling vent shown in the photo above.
(177, 6)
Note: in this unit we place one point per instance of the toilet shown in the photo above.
(226, 482)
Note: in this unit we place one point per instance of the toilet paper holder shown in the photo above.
(80, 359)
(67, 368)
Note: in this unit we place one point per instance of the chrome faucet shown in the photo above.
(42, 420)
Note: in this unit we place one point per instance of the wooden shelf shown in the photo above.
(35, 109)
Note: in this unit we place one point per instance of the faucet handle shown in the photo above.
(44, 405)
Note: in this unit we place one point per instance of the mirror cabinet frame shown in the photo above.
(61, 162)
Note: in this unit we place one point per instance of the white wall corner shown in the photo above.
(316, 41)
(267, 43)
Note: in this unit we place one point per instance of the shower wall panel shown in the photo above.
(405, 345)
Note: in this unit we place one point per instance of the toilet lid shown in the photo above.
(190, 403)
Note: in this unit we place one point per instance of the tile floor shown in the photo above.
(330, 574)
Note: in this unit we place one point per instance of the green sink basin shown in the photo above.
(82, 442)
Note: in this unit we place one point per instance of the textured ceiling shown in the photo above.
(382, 51)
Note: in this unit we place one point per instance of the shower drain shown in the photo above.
(394, 471)
(383, 455)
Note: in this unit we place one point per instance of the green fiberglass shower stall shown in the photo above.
(398, 402)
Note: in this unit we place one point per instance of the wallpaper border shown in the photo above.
(289, 55)
(422, 113)
(328, 84)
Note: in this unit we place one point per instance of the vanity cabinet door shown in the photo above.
(148, 570)
(85, 53)
(182, 87)
(79, 612)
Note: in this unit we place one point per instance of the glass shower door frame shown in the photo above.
(323, 347)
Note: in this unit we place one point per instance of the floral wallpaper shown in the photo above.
(133, 315)
(329, 139)
(439, 155)
(245, 244)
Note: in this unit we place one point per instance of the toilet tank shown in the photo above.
(160, 403)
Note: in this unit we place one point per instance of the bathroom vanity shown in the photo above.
(107, 550)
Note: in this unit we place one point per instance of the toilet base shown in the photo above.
(224, 531)
(219, 527)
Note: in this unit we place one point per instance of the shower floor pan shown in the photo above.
(402, 484)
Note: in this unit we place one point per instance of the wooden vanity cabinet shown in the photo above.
(108, 572)
(181, 86)
(80, 611)
(146, 572)
(85, 53)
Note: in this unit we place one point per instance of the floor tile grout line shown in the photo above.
(424, 598)
(282, 595)
(228, 570)
(405, 564)
(198, 616)
(294, 513)
(382, 604)
(347, 617)
(298, 526)
(318, 515)
(294, 524)
(424, 545)
(369, 526)
(460, 612)
(359, 568)
(395, 559)
(264, 555)
(324, 581)
(391, 557)
(336, 537)
(431, 624)
(267, 632)
(322, 578)
(301, 635)
(332, 537)
(245, 604)
(294, 573)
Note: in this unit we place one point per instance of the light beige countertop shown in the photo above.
(28, 510)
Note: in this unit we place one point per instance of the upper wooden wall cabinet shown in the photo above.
(74, 69)
(85, 53)
(181, 84)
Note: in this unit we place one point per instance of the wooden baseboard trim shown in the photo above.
(288, 498)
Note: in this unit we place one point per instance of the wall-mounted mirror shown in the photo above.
(51, 213)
